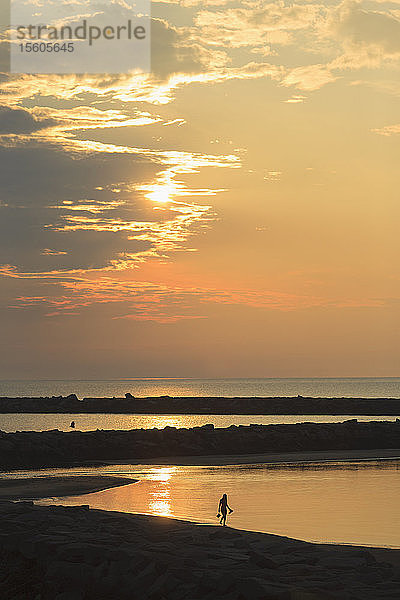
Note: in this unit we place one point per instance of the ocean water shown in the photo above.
(90, 422)
(351, 503)
(363, 387)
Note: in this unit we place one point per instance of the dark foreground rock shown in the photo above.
(298, 405)
(56, 448)
(73, 553)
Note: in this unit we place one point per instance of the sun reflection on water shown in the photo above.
(160, 497)
(161, 508)
(162, 474)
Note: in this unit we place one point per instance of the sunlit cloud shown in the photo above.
(388, 130)
(273, 176)
(164, 234)
(295, 99)
(50, 252)
(144, 207)
(85, 208)
(127, 88)
(256, 24)
(309, 78)
(148, 301)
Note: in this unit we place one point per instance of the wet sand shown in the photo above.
(46, 487)
(289, 458)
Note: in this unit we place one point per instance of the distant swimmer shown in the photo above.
(223, 507)
(72, 424)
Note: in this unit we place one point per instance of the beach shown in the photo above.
(32, 488)
(80, 553)
(273, 458)
(76, 553)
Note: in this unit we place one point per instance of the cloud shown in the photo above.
(26, 121)
(361, 27)
(388, 130)
(174, 51)
(369, 38)
(296, 99)
(309, 78)
(197, 3)
(80, 211)
(58, 295)
(19, 120)
(256, 24)
(95, 205)
(128, 88)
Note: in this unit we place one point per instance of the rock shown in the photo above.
(72, 397)
(262, 561)
(72, 553)
(144, 580)
(75, 595)
(304, 595)
(129, 396)
(64, 576)
(252, 588)
(225, 583)
(92, 554)
(347, 561)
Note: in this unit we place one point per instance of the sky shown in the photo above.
(233, 213)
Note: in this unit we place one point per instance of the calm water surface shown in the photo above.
(367, 387)
(91, 422)
(353, 503)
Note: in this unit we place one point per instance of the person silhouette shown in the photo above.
(72, 424)
(223, 507)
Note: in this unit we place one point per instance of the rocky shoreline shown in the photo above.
(73, 553)
(27, 450)
(203, 405)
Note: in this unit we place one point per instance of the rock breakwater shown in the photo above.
(55, 448)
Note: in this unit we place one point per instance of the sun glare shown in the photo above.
(161, 508)
(160, 193)
(161, 473)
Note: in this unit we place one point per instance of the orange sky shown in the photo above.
(232, 214)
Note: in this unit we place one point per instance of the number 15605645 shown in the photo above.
(46, 47)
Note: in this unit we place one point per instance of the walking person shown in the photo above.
(223, 507)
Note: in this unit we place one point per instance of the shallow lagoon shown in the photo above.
(351, 503)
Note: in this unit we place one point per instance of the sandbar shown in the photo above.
(33, 488)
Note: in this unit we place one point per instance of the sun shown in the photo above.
(159, 193)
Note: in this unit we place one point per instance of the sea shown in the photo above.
(348, 502)
(267, 387)
(333, 387)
